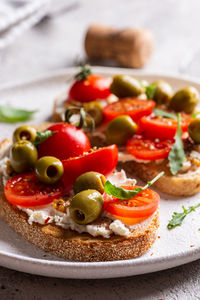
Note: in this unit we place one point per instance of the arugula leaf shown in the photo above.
(177, 155)
(43, 136)
(122, 193)
(150, 91)
(164, 114)
(10, 114)
(177, 218)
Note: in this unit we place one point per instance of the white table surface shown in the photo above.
(56, 43)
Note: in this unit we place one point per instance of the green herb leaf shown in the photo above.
(122, 193)
(164, 114)
(43, 136)
(150, 91)
(10, 114)
(177, 218)
(177, 155)
(84, 73)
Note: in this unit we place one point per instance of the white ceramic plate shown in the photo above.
(172, 248)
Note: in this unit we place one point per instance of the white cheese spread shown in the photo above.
(48, 215)
(195, 155)
(119, 228)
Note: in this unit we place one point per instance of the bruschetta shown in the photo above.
(53, 193)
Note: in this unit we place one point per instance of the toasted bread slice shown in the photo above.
(186, 184)
(72, 245)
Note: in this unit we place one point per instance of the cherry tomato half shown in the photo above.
(148, 149)
(103, 160)
(133, 107)
(162, 128)
(137, 208)
(25, 190)
(92, 88)
(67, 141)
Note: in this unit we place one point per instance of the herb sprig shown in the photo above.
(177, 155)
(9, 114)
(84, 121)
(84, 73)
(122, 193)
(161, 113)
(42, 136)
(177, 218)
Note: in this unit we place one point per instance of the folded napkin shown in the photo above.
(16, 16)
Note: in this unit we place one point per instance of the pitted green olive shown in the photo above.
(49, 169)
(86, 206)
(23, 156)
(25, 132)
(120, 129)
(185, 100)
(89, 180)
(163, 92)
(126, 86)
(194, 130)
(95, 110)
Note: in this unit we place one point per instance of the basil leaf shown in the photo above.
(122, 193)
(177, 155)
(10, 114)
(150, 91)
(43, 136)
(164, 114)
(177, 218)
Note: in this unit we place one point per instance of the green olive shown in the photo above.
(185, 100)
(86, 206)
(194, 130)
(89, 180)
(95, 110)
(23, 156)
(163, 92)
(49, 169)
(25, 132)
(120, 129)
(126, 86)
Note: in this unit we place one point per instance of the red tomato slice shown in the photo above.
(162, 128)
(90, 89)
(67, 141)
(25, 190)
(103, 160)
(148, 149)
(133, 107)
(141, 206)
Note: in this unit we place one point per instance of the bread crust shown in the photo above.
(72, 245)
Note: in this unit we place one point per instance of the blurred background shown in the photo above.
(37, 37)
